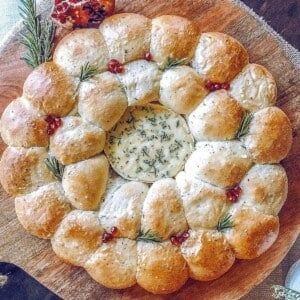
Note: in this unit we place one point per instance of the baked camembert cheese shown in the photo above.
(153, 144)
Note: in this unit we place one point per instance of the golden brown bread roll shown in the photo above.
(114, 264)
(172, 37)
(270, 136)
(208, 254)
(162, 209)
(140, 81)
(50, 90)
(22, 126)
(161, 268)
(254, 88)
(252, 233)
(84, 182)
(124, 209)
(265, 188)
(181, 89)
(219, 57)
(77, 237)
(220, 163)
(23, 171)
(203, 203)
(102, 100)
(81, 47)
(76, 140)
(127, 36)
(41, 211)
(218, 117)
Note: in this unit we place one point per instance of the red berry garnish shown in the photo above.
(53, 124)
(115, 66)
(114, 231)
(174, 240)
(234, 193)
(107, 237)
(214, 86)
(148, 56)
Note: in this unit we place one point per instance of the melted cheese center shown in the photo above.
(149, 143)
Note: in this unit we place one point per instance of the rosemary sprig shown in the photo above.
(87, 71)
(280, 292)
(172, 63)
(149, 236)
(244, 128)
(55, 166)
(225, 223)
(38, 36)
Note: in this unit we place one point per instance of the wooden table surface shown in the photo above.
(283, 16)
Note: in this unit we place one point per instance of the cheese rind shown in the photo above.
(149, 143)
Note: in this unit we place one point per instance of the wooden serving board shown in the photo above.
(35, 255)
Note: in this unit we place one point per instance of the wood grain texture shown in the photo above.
(35, 255)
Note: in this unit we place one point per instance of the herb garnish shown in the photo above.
(280, 292)
(225, 223)
(55, 166)
(149, 236)
(38, 37)
(244, 128)
(172, 63)
(87, 72)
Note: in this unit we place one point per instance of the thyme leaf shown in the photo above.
(280, 292)
(149, 236)
(38, 36)
(244, 128)
(225, 223)
(172, 63)
(55, 166)
(87, 72)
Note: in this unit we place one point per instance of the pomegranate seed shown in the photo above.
(217, 86)
(115, 66)
(185, 235)
(107, 237)
(114, 231)
(148, 56)
(174, 240)
(53, 124)
(234, 193)
(57, 1)
(225, 86)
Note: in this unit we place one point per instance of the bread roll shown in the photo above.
(140, 81)
(102, 100)
(162, 210)
(85, 182)
(252, 233)
(270, 136)
(76, 140)
(203, 203)
(41, 211)
(208, 254)
(80, 47)
(22, 126)
(114, 264)
(173, 37)
(219, 57)
(23, 171)
(124, 209)
(264, 188)
(78, 237)
(161, 268)
(50, 90)
(127, 36)
(220, 163)
(182, 89)
(254, 88)
(218, 117)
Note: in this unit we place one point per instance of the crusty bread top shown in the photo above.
(233, 138)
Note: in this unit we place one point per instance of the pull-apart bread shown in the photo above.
(148, 152)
